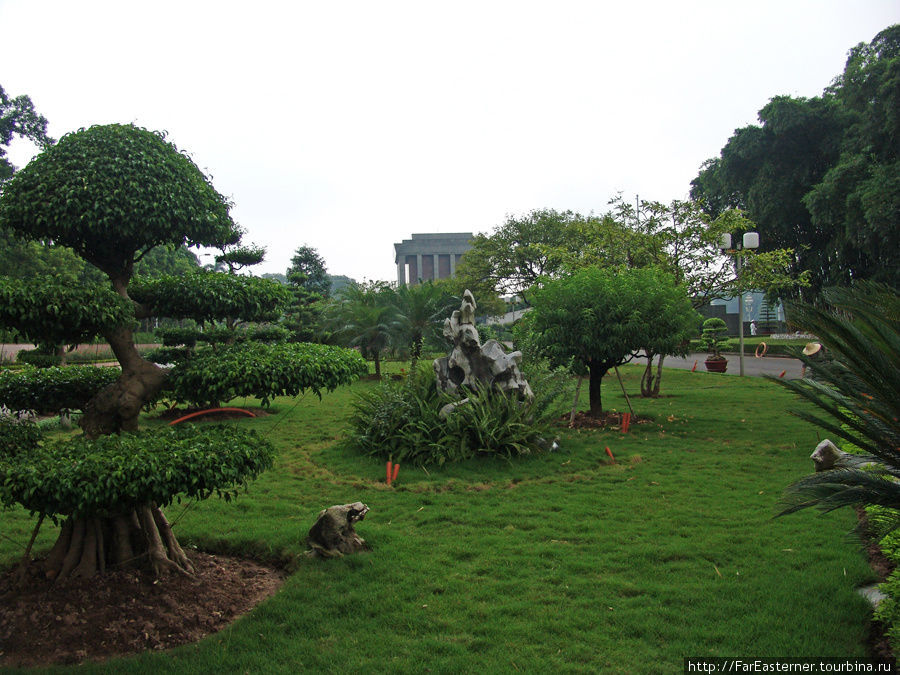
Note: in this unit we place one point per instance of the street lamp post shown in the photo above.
(749, 240)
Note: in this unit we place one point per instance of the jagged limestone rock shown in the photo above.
(333, 536)
(471, 364)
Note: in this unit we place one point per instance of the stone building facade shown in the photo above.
(430, 256)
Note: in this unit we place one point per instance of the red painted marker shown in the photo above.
(389, 472)
(626, 422)
(609, 452)
(695, 366)
(782, 373)
(396, 471)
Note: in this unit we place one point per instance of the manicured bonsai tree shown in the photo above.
(712, 336)
(112, 193)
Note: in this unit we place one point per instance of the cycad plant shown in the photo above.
(858, 390)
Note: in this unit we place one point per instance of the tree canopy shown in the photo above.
(601, 318)
(18, 118)
(820, 175)
(112, 193)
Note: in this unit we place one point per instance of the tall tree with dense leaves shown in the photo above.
(820, 175)
(18, 118)
(421, 310)
(310, 285)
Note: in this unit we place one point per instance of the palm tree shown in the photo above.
(364, 317)
(858, 389)
(421, 310)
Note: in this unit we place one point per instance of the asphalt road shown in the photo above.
(767, 365)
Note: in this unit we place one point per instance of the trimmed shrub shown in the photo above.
(213, 376)
(49, 390)
(112, 474)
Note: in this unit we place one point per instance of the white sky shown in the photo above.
(348, 126)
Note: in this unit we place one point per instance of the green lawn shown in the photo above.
(563, 562)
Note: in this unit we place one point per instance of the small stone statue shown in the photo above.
(471, 364)
(333, 535)
(828, 456)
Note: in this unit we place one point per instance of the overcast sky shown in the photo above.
(347, 126)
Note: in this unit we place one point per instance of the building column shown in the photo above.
(401, 271)
(418, 269)
(452, 264)
(435, 270)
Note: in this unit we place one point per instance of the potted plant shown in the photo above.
(712, 337)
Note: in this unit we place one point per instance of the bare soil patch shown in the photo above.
(609, 420)
(125, 612)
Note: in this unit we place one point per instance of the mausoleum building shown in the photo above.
(430, 256)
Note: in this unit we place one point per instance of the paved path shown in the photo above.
(768, 365)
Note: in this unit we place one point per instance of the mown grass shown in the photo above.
(562, 562)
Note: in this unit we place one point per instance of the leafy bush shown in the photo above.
(38, 359)
(18, 432)
(173, 336)
(262, 371)
(402, 421)
(49, 390)
(164, 355)
(113, 474)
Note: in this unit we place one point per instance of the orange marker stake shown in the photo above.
(396, 471)
(695, 366)
(609, 452)
(626, 422)
(389, 472)
(782, 373)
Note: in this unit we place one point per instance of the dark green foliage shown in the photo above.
(112, 193)
(207, 296)
(38, 359)
(166, 355)
(599, 318)
(268, 333)
(713, 335)
(18, 432)
(858, 390)
(401, 421)
(820, 175)
(49, 390)
(262, 371)
(173, 336)
(18, 118)
(114, 474)
(44, 310)
(364, 316)
(310, 287)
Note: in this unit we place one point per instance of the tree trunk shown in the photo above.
(597, 369)
(142, 538)
(116, 408)
(649, 380)
(377, 366)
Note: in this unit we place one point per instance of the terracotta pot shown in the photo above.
(716, 365)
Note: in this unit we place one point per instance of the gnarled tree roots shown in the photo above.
(141, 538)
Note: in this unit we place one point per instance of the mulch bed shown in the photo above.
(608, 420)
(125, 612)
